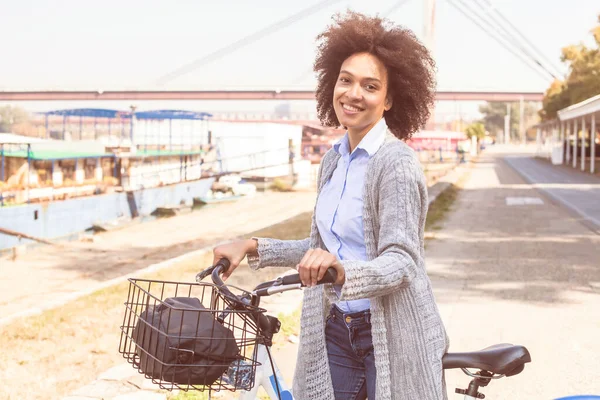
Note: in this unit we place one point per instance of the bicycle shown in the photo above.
(252, 332)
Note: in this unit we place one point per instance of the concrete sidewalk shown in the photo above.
(572, 188)
(523, 272)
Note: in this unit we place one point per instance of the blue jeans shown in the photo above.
(350, 353)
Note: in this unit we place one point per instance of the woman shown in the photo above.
(376, 332)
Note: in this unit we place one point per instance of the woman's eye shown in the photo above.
(345, 80)
(371, 87)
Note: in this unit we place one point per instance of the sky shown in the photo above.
(130, 44)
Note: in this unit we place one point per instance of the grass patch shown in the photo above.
(290, 323)
(438, 210)
(280, 185)
(442, 205)
(191, 395)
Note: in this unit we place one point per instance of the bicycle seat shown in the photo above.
(502, 359)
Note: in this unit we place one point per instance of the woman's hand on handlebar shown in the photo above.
(235, 253)
(314, 264)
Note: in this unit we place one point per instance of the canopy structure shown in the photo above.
(573, 137)
(90, 112)
(52, 155)
(93, 117)
(180, 135)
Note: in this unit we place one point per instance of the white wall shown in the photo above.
(244, 145)
(163, 171)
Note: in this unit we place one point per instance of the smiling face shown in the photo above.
(360, 94)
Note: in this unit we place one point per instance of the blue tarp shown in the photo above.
(154, 114)
(90, 112)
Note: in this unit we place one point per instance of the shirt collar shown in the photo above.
(370, 143)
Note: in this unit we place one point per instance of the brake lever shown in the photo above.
(201, 275)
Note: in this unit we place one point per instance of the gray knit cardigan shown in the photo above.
(409, 338)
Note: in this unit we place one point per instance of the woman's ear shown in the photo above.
(389, 101)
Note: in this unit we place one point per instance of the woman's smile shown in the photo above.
(350, 109)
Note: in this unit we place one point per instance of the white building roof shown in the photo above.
(586, 107)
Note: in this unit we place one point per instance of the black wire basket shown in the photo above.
(190, 336)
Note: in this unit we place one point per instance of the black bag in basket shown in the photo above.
(183, 347)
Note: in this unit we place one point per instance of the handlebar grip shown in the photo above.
(329, 277)
(224, 263)
(219, 268)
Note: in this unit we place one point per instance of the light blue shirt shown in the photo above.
(340, 204)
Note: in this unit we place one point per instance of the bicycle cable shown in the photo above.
(274, 373)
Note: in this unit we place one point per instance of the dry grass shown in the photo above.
(52, 354)
(189, 396)
(279, 185)
(440, 207)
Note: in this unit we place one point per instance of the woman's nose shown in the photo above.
(354, 92)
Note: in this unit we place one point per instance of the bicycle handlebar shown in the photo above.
(293, 279)
(221, 266)
(290, 281)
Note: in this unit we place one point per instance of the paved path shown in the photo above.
(526, 274)
(576, 190)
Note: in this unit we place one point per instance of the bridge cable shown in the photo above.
(541, 55)
(245, 41)
(509, 37)
(512, 51)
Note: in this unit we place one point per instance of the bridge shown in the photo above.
(81, 95)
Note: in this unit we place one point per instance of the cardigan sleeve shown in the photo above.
(402, 208)
(278, 253)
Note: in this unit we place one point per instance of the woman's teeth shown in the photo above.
(350, 108)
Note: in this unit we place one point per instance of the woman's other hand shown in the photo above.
(235, 253)
(314, 264)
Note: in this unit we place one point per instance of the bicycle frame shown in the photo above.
(266, 378)
(267, 374)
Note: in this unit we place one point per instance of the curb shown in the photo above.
(448, 180)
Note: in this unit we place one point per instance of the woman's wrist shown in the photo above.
(251, 246)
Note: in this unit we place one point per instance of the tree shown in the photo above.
(494, 113)
(582, 81)
(493, 116)
(475, 129)
(10, 116)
